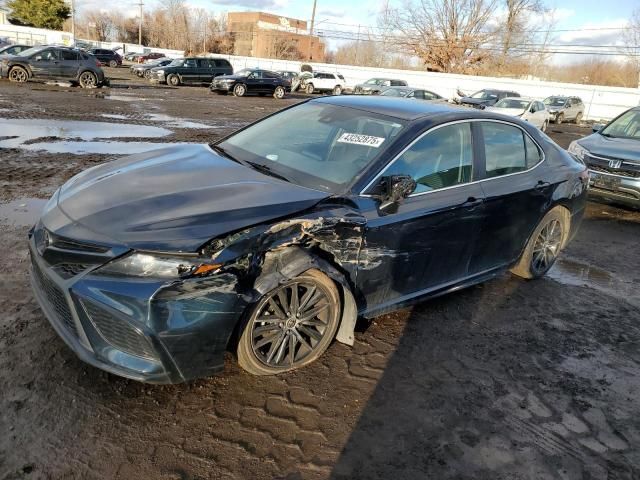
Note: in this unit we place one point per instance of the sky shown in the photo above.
(590, 18)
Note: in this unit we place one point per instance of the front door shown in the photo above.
(46, 64)
(255, 82)
(189, 71)
(427, 243)
(517, 189)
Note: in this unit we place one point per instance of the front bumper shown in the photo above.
(146, 330)
(221, 86)
(615, 188)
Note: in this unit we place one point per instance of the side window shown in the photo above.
(341, 77)
(69, 55)
(442, 158)
(428, 95)
(420, 94)
(46, 56)
(504, 149)
(204, 63)
(190, 63)
(270, 75)
(534, 155)
(541, 106)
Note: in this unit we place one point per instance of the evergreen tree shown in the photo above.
(39, 13)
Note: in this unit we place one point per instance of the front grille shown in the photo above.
(55, 298)
(118, 332)
(601, 164)
(622, 173)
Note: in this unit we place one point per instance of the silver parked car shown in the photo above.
(563, 109)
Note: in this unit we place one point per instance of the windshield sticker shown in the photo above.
(357, 139)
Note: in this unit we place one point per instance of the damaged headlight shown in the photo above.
(159, 266)
(577, 150)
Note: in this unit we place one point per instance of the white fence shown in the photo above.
(34, 36)
(602, 103)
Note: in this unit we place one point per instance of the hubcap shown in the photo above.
(87, 79)
(290, 323)
(547, 247)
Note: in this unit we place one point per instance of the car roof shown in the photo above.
(525, 99)
(402, 108)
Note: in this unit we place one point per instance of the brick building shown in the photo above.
(260, 34)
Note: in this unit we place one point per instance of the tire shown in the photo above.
(88, 79)
(173, 80)
(113, 64)
(544, 245)
(560, 118)
(309, 88)
(337, 90)
(18, 75)
(239, 90)
(545, 124)
(578, 118)
(279, 92)
(269, 346)
(146, 74)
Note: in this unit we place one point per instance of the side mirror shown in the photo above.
(597, 127)
(396, 188)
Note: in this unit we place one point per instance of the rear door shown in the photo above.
(46, 63)
(517, 186)
(69, 64)
(271, 79)
(206, 69)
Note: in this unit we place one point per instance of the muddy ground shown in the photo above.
(507, 380)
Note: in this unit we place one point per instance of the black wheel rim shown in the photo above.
(546, 247)
(290, 323)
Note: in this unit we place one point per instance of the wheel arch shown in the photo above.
(25, 66)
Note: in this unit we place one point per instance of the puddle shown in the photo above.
(114, 116)
(570, 272)
(22, 212)
(125, 98)
(28, 130)
(107, 148)
(175, 122)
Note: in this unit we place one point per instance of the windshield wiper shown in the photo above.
(226, 154)
(267, 170)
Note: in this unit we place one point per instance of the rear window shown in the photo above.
(221, 62)
(507, 149)
(69, 55)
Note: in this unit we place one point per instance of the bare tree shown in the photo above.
(101, 24)
(516, 29)
(632, 44)
(447, 35)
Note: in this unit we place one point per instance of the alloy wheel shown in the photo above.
(546, 247)
(239, 90)
(337, 90)
(290, 323)
(113, 64)
(278, 92)
(18, 75)
(88, 80)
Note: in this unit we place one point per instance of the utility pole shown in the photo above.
(357, 44)
(140, 24)
(313, 19)
(73, 21)
(204, 38)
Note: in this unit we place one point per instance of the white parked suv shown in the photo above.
(325, 82)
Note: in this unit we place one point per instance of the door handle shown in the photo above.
(472, 202)
(542, 185)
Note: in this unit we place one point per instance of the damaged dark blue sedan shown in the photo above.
(273, 241)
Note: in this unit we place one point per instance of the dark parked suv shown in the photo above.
(251, 80)
(53, 63)
(106, 57)
(192, 70)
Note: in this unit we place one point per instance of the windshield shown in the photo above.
(245, 72)
(484, 95)
(512, 103)
(555, 101)
(626, 125)
(315, 145)
(30, 51)
(395, 92)
(373, 81)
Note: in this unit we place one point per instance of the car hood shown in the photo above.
(512, 112)
(175, 199)
(620, 148)
(476, 101)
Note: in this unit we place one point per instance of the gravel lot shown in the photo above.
(507, 380)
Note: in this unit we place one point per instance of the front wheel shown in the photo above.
(173, 80)
(578, 118)
(113, 64)
(544, 126)
(337, 90)
(560, 118)
(88, 80)
(239, 90)
(310, 88)
(279, 92)
(544, 246)
(18, 75)
(290, 326)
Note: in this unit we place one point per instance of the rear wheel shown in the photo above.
(290, 326)
(545, 244)
(113, 63)
(18, 75)
(240, 90)
(88, 80)
(560, 118)
(578, 118)
(337, 90)
(279, 92)
(173, 80)
(309, 88)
